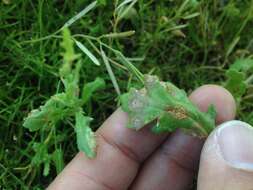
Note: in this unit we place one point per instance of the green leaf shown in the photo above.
(231, 10)
(102, 2)
(235, 83)
(125, 11)
(46, 168)
(35, 120)
(131, 14)
(41, 157)
(69, 54)
(173, 121)
(110, 72)
(194, 3)
(87, 52)
(86, 141)
(70, 74)
(71, 83)
(57, 158)
(167, 106)
(243, 65)
(55, 109)
(91, 87)
(212, 111)
(41, 153)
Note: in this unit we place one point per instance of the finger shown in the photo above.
(227, 158)
(217, 96)
(119, 154)
(174, 165)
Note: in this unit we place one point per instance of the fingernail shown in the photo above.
(235, 141)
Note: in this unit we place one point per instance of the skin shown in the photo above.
(127, 159)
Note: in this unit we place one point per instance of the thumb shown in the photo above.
(227, 158)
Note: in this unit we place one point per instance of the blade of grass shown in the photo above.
(123, 3)
(79, 15)
(191, 16)
(125, 11)
(175, 28)
(129, 65)
(110, 72)
(7, 170)
(67, 24)
(87, 52)
(232, 46)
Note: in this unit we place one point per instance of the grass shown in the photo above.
(188, 42)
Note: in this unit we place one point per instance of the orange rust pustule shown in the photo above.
(177, 112)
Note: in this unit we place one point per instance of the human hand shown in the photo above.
(127, 159)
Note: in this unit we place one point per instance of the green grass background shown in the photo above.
(188, 42)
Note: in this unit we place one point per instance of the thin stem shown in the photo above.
(43, 38)
(126, 62)
(111, 60)
(85, 36)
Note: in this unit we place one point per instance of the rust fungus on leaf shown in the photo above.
(167, 106)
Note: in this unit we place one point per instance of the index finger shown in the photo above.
(120, 152)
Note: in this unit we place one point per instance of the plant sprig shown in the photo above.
(239, 77)
(68, 103)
